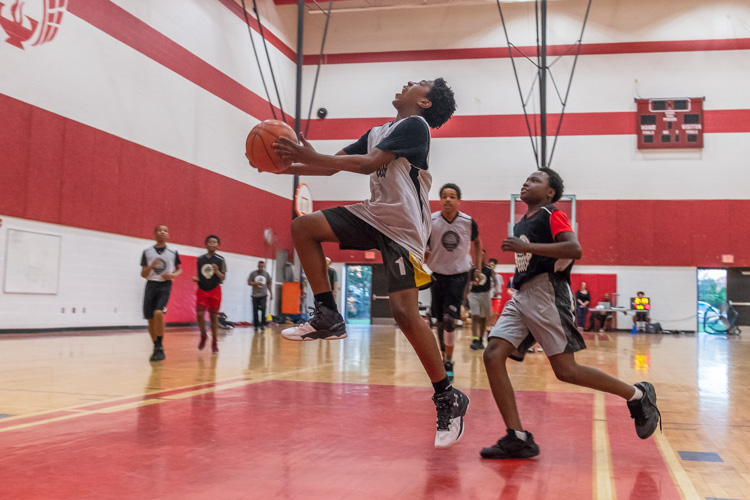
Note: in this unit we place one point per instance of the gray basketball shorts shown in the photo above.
(541, 311)
(481, 304)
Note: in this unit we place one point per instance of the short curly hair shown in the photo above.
(443, 104)
(555, 182)
(452, 186)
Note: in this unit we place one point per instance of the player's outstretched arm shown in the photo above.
(303, 157)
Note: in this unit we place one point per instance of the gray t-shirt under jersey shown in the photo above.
(399, 202)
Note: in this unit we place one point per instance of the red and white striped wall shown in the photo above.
(136, 114)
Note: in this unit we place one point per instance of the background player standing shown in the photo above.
(212, 269)
(480, 301)
(454, 235)
(260, 280)
(542, 311)
(159, 266)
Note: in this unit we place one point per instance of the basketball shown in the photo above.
(259, 145)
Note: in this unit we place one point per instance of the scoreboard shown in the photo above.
(670, 123)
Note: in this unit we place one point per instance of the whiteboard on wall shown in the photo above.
(32, 262)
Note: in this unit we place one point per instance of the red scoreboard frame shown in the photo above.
(670, 123)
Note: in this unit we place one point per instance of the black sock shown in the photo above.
(441, 386)
(326, 298)
(157, 342)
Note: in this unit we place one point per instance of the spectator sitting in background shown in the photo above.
(601, 320)
(641, 315)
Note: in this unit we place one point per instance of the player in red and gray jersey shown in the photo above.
(542, 311)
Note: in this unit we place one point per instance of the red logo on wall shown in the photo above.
(31, 23)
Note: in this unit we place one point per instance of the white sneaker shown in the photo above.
(325, 324)
(451, 408)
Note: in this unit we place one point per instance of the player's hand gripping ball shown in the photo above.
(259, 145)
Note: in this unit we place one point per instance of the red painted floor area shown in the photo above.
(636, 477)
(318, 441)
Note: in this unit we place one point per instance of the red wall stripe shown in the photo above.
(270, 37)
(64, 172)
(492, 52)
(611, 123)
(552, 50)
(621, 232)
(128, 29)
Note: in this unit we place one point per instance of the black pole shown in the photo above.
(298, 100)
(543, 85)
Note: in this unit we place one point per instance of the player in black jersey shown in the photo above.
(542, 311)
(212, 270)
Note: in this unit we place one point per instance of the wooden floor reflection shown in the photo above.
(353, 405)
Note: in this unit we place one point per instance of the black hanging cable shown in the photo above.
(268, 57)
(518, 83)
(257, 59)
(320, 62)
(570, 80)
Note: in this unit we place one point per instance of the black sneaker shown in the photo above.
(451, 408)
(449, 369)
(324, 324)
(202, 343)
(644, 411)
(511, 446)
(476, 345)
(158, 354)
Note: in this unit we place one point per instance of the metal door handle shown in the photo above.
(381, 297)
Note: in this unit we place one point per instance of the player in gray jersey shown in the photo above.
(395, 220)
(159, 266)
(454, 244)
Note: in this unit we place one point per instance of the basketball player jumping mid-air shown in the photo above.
(395, 220)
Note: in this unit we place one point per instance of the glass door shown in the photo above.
(358, 291)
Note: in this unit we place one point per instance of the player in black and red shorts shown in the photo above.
(212, 269)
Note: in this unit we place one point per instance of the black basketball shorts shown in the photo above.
(403, 269)
(156, 297)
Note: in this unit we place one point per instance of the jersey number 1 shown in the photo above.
(401, 267)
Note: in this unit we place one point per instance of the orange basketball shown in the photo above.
(259, 145)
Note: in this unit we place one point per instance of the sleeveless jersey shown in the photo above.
(399, 202)
(167, 262)
(537, 229)
(450, 243)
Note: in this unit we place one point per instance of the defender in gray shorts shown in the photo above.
(540, 312)
(545, 247)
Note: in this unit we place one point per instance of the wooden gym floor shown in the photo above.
(85, 415)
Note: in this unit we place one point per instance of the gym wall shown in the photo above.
(651, 217)
(135, 114)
